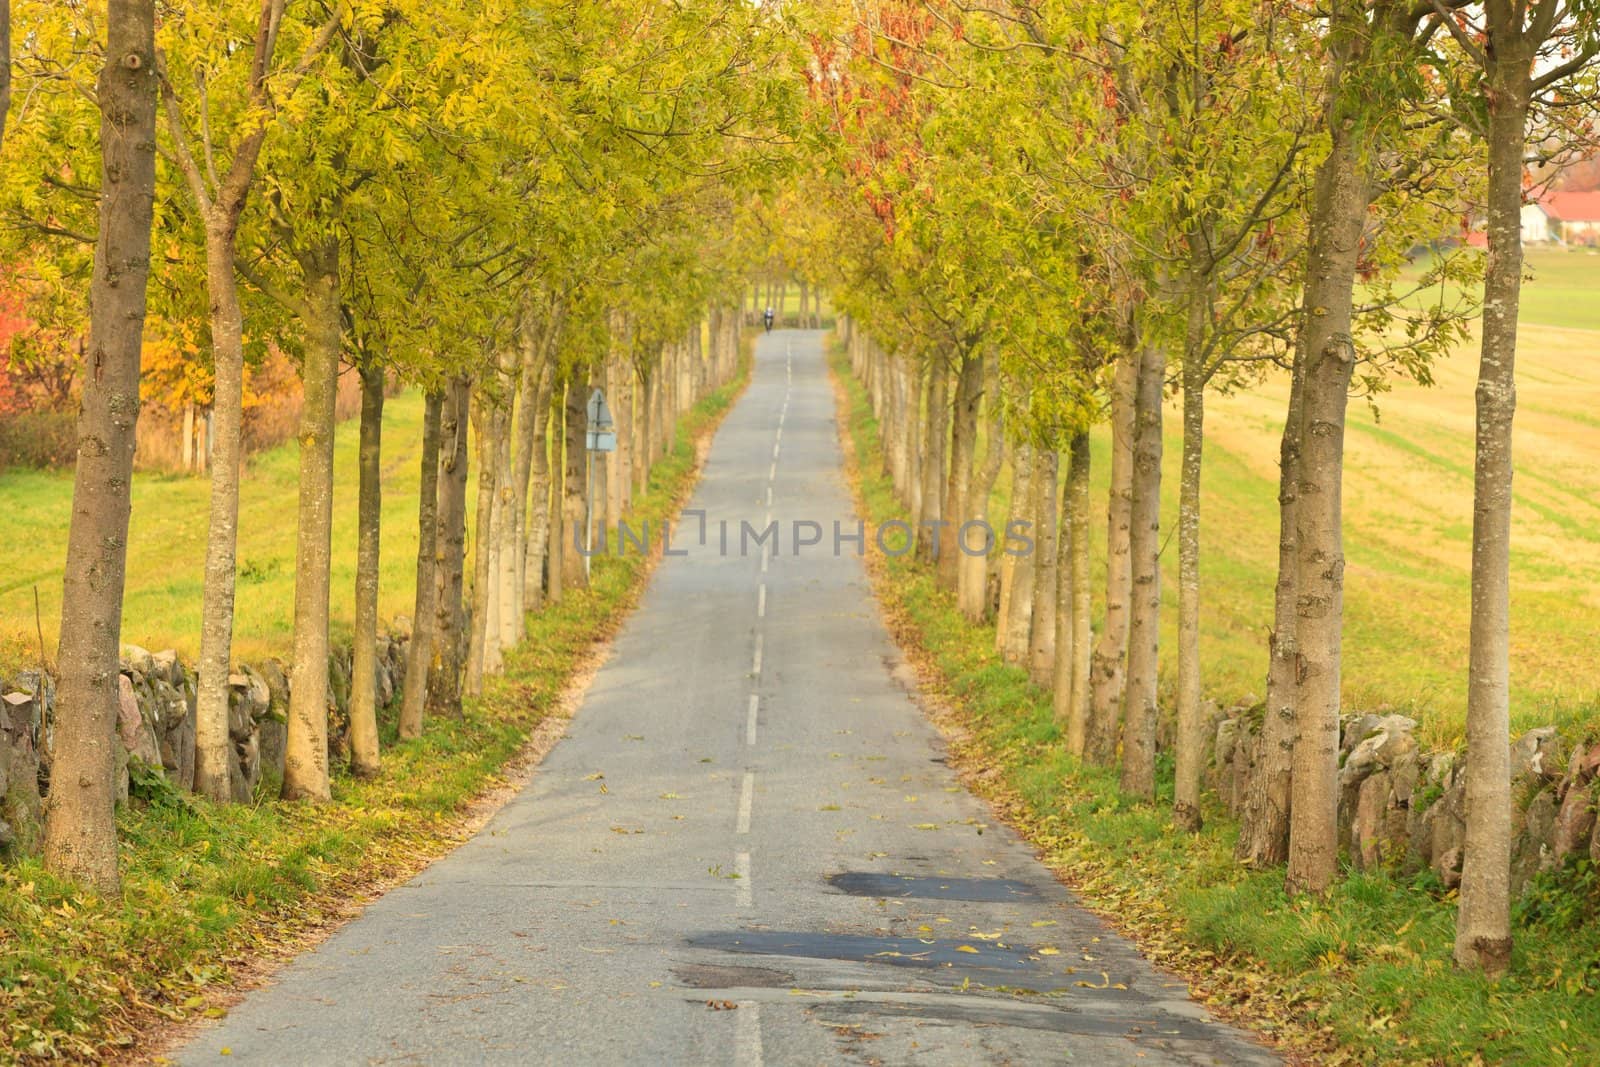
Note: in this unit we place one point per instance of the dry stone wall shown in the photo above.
(155, 724)
(1404, 808)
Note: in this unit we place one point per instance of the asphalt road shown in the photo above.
(747, 850)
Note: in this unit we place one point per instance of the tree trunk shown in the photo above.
(915, 426)
(1139, 695)
(444, 673)
(212, 747)
(369, 520)
(639, 418)
(80, 835)
(537, 493)
(1264, 821)
(1076, 536)
(305, 773)
(574, 565)
(972, 594)
(619, 378)
(1016, 574)
(187, 444)
(424, 621)
(931, 535)
(1045, 492)
(1191, 727)
(532, 412)
(1483, 923)
(1339, 209)
(1108, 662)
(555, 537)
(963, 458)
(485, 575)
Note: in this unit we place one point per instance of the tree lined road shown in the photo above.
(748, 849)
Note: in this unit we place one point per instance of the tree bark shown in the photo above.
(1016, 567)
(485, 575)
(1483, 923)
(1075, 571)
(5, 66)
(1339, 209)
(424, 620)
(80, 839)
(508, 533)
(1046, 533)
(1107, 664)
(533, 341)
(444, 672)
(1264, 822)
(187, 461)
(932, 539)
(972, 593)
(212, 747)
(1191, 727)
(575, 571)
(640, 419)
(536, 493)
(963, 458)
(305, 774)
(369, 519)
(555, 496)
(1139, 695)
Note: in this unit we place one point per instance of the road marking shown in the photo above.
(780, 432)
(747, 796)
(775, 450)
(761, 601)
(744, 892)
(747, 1035)
(769, 496)
(755, 667)
(750, 720)
(772, 472)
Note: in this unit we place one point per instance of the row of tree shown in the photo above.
(1040, 216)
(504, 206)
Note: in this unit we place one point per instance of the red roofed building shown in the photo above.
(1567, 218)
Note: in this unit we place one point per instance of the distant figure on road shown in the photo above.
(767, 316)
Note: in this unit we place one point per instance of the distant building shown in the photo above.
(1535, 224)
(1563, 218)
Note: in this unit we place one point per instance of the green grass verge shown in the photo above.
(208, 887)
(1362, 975)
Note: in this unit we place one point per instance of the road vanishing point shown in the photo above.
(748, 848)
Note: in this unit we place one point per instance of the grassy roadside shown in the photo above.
(209, 891)
(1363, 975)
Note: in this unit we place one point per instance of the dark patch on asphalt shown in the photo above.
(991, 964)
(988, 890)
(711, 976)
(1062, 1020)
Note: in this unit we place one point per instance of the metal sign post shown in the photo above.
(600, 437)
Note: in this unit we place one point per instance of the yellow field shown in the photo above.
(1408, 536)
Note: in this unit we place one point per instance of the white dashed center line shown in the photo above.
(750, 720)
(744, 892)
(747, 1034)
(761, 601)
(747, 796)
(755, 666)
